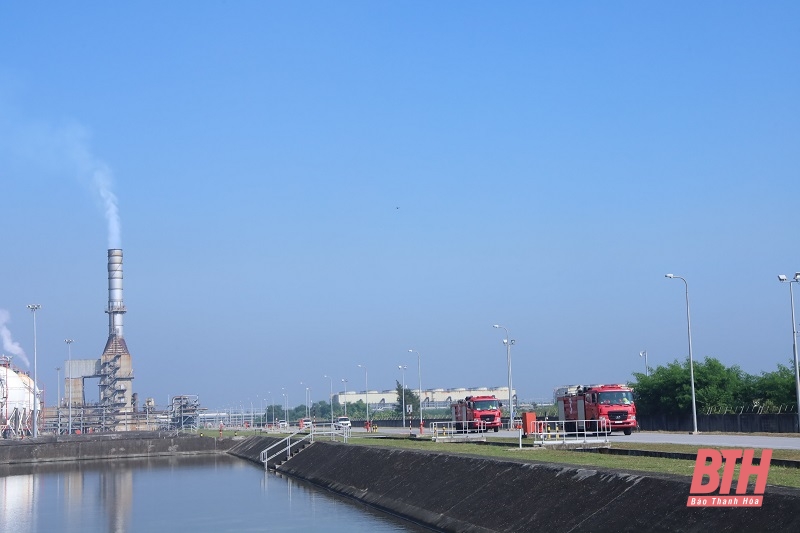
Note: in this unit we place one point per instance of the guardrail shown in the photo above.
(333, 431)
(461, 431)
(563, 431)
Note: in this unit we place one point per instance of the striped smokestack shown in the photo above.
(116, 307)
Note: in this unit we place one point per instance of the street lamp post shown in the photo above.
(508, 342)
(419, 375)
(272, 404)
(306, 399)
(366, 392)
(344, 380)
(643, 353)
(68, 381)
(285, 406)
(58, 399)
(796, 279)
(403, 395)
(34, 308)
(330, 399)
(691, 359)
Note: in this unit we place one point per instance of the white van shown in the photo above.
(342, 422)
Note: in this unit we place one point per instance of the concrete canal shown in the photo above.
(458, 493)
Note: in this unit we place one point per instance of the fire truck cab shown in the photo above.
(597, 407)
(477, 412)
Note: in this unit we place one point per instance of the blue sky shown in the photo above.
(307, 187)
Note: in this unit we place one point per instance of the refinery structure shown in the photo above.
(117, 401)
(116, 404)
(16, 399)
(115, 407)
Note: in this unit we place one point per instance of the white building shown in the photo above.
(16, 400)
(431, 398)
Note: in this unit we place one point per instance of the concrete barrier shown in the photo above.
(471, 494)
(730, 422)
(108, 446)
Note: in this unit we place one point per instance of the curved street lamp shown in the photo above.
(508, 342)
(643, 353)
(691, 360)
(796, 279)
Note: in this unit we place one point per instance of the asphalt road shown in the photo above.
(703, 439)
(737, 440)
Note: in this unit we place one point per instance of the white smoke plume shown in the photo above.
(99, 175)
(61, 149)
(10, 345)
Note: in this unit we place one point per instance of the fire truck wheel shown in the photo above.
(627, 431)
(496, 430)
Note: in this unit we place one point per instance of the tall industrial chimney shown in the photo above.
(116, 371)
(116, 308)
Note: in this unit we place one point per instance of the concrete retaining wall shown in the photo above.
(470, 494)
(731, 423)
(454, 492)
(107, 446)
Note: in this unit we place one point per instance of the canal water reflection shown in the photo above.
(179, 494)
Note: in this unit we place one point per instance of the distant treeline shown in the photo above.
(667, 390)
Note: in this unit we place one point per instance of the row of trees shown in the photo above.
(667, 390)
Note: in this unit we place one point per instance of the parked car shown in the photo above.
(282, 424)
(342, 422)
(305, 423)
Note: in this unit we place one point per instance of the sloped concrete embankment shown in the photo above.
(251, 448)
(108, 446)
(470, 494)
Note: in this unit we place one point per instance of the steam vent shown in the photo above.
(116, 372)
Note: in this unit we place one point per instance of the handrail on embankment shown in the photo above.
(317, 430)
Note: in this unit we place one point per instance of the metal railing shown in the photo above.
(458, 431)
(286, 444)
(334, 431)
(574, 431)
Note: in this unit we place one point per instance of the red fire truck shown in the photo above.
(477, 412)
(597, 408)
